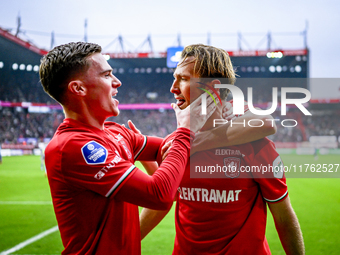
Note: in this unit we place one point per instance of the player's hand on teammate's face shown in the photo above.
(199, 119)
(165, 149)
(227, 112)
(182, 116)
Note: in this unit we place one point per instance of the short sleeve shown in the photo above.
(270, 173)
(142, 147)
(95, 165)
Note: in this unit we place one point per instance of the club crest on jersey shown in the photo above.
(232, 165)
(94, 153)
(119, 137)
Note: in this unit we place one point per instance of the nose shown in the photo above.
(174, 87)
(116, 82)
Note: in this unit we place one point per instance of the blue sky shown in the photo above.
(164, 20)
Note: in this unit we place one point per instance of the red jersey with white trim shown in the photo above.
(225, 213)
(86, 166)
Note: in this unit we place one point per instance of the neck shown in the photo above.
(83, 114)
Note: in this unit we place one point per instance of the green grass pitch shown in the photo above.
(316, 202)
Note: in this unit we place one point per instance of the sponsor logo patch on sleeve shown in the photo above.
(94, 153)
(278, 168)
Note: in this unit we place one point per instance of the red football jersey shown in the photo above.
(225, 212)
(86, 166)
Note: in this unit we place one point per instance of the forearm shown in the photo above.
(250, 128)
(158, 191)
(288, 227)
(291, 236)
(149, 219)
(235, 132)
(150, 166)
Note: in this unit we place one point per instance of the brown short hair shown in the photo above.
(62, 63)
(211, 62)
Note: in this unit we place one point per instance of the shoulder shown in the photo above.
(262, 143)
(116, 128)
(71, 128)
(74, 140)
(89, 148)
(71, 137)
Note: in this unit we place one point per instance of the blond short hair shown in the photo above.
(211, 62)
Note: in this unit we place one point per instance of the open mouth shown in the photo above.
(114, 98)
(180, 101)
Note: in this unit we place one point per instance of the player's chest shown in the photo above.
(221, 165)
(216, 176)
(118, 144)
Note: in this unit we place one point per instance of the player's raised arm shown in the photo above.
(234, 134)
(158, 191)
(149, 166)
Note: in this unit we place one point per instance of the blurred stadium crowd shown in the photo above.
(149, 83)
(17, 123)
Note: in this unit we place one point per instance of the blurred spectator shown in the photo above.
(18, 86)
(16, 124)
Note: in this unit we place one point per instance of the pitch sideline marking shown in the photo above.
(29, 241)
(25, 202)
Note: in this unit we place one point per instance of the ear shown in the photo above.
(77, 88)
(213, 82)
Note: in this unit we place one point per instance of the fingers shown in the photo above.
(211, 108)
(165, 149)
(175, 107)
(177, 111)
(182, 116)
(209, 99)
(230, 117)
(227, 112)
(211, 104)
(228, 106)
(133, 127)
(165, 154)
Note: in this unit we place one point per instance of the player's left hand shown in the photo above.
(133, 127)
(227, 112)
(165, 149)
(197, 119)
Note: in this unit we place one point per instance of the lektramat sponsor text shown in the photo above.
(209, 195)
